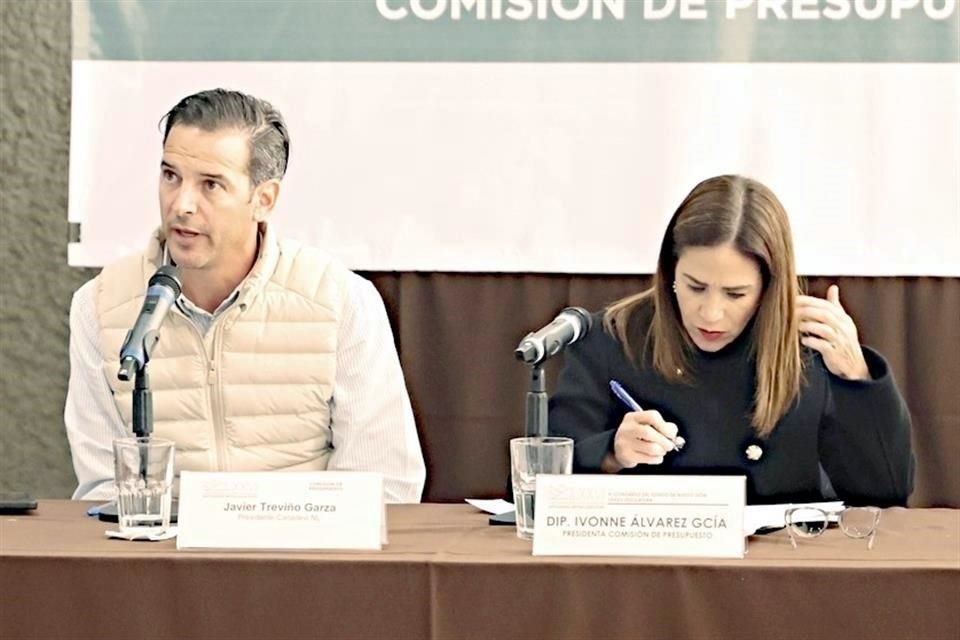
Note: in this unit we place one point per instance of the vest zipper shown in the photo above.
(213, 397)
(215, 380)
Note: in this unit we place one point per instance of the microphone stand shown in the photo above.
(142, 398)
(536, 414)
(142, 404)
(536, 420)
(143, 414)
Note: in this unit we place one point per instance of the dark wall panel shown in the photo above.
(456, 334)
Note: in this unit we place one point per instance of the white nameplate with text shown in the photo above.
(601, 515)
(280, 510)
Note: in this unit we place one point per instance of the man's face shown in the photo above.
(718, 291)
(208, 205)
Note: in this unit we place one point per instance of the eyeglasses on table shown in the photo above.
(854, 522)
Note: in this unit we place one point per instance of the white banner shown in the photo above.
(541, 135)
(575, 168)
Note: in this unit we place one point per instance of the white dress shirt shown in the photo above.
(370, 415)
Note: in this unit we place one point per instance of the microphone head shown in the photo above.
(167, 276)
(581, 317)
(571, 324)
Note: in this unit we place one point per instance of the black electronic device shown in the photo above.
(12, 502)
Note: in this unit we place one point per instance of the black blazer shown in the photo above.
(857, 431)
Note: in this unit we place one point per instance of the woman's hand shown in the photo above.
(826, 327)
(643, 437)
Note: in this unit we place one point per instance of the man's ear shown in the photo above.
(265, 199)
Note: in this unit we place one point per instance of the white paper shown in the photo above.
(145, 537)
(496, 507)
(758, 516)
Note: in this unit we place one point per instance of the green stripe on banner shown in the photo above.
(519, 30)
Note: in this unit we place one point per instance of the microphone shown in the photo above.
(569, 326)
(162, 291)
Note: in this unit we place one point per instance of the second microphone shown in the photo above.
(570, 325)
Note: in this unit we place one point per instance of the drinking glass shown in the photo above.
(528, 457)
(143, 473)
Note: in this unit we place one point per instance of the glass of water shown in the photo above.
(528, 457)
(143, 474)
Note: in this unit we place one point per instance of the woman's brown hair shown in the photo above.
(720, 210)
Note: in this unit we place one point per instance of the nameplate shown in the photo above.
(279, 510)
(599, 515)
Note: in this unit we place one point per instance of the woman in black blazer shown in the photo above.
(724, 351)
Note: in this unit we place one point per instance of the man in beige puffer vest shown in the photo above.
(274, 357)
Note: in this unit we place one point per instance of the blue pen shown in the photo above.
(632, 404)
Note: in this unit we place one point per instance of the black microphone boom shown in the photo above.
(162, 292)
(569, 326)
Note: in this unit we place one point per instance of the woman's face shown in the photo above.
(718, 290)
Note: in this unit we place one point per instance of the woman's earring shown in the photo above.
(674, 286)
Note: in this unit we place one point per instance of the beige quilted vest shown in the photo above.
(254, 393)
